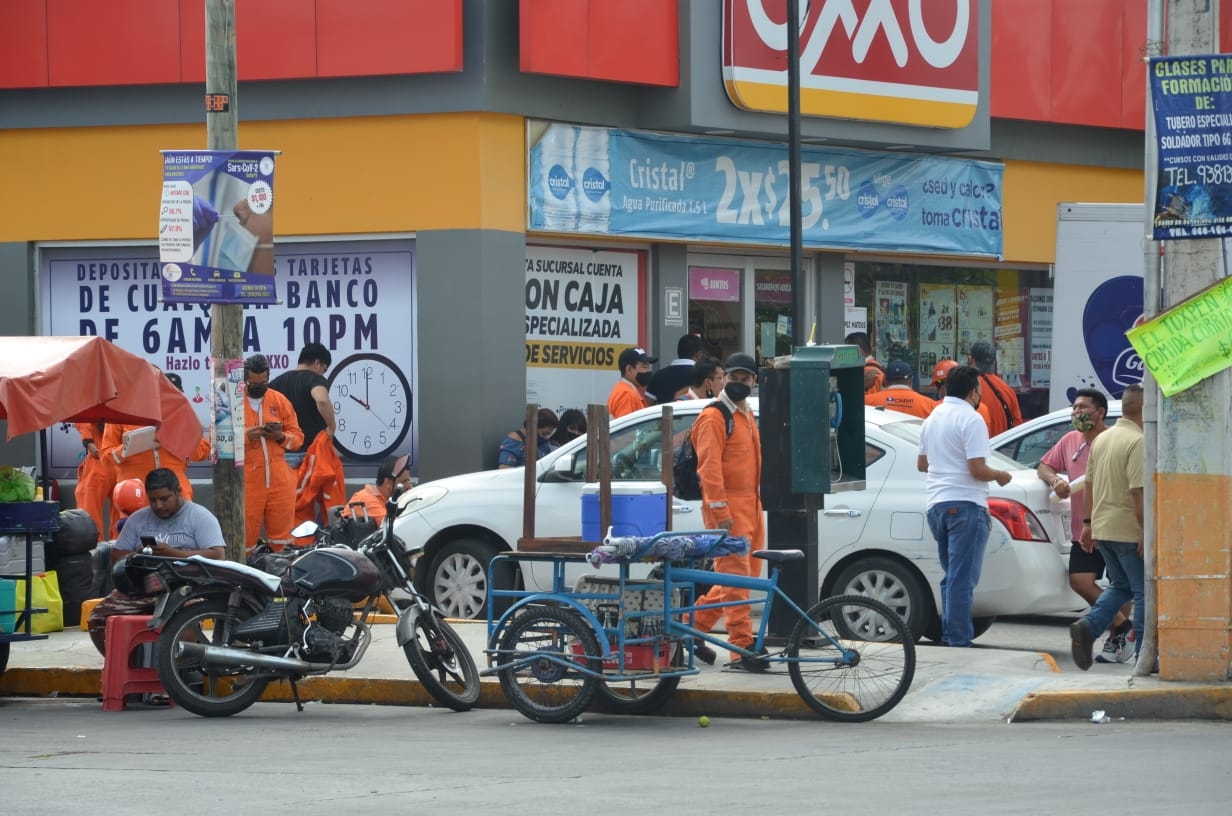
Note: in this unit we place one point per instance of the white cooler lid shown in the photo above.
(628, 489)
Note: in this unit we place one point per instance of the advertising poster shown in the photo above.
(855, 319)
(712, 190)
(1192, 97)
(583, 307)
(975, 318)
(890, 342)
(1010, 335)
(356, 298)
(1040, 369)
(937, 327)
(216, 227)
(1189, 342)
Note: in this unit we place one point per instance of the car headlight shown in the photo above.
(420, 498)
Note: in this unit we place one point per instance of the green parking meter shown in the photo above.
(812, 431)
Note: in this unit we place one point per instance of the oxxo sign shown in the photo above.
(913, 62)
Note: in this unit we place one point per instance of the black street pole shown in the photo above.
(799, 332)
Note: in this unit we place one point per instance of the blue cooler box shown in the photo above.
(638, 509)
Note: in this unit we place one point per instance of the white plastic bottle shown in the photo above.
(558, 182)
(594, 167)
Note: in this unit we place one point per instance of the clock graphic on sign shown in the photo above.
(372, 406)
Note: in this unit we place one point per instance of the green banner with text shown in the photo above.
(1190, 341)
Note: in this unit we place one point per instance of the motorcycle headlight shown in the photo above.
(420, 498)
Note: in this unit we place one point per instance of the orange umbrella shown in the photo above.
(45, 380)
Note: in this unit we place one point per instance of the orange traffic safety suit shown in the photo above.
(625, 398)
(729, 469)
(1002, 402)
(372, 501)
(96, 478)
(269, 482)
(901, 398)
(320, 482)
(138, 465)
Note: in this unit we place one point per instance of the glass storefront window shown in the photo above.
(714, 308)
(772, 313)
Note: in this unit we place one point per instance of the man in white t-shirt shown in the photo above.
(953, 452)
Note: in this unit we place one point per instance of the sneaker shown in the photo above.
(1081, 643)
(753, 663)
(1118, 648)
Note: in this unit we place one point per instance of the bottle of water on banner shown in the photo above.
(594, 165)
(559, 182)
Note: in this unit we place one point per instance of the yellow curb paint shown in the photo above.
(1179, 703)
(1051, 661)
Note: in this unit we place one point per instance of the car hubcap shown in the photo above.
(884, 587)
(460, 587)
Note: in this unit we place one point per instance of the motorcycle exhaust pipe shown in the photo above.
(225, 656)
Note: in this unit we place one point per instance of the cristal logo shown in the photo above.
(906, 61)
(594, 185)
(559, 183)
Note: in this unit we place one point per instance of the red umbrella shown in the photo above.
(45, 380)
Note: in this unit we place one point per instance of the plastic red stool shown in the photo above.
(124, 634)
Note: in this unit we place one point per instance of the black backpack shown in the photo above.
(684, 466)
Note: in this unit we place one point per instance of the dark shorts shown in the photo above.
(1082, 561)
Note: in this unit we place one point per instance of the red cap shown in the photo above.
(943, 370)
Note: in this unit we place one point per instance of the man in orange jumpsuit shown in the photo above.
(629, 393)
(270, 430)
(898, 394)
(139, 464)
(940, 373)
(96, 477)
(729, 469)
(369, 501)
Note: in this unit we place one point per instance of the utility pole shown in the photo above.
(1194, 453)
(226, 320)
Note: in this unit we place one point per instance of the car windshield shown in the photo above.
(909, 429)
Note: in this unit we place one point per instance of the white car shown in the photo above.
(1027, 443)
(873, 541)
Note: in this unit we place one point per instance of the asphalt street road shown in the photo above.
(69, 756)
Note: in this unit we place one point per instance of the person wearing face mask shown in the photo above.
(942, 371)
(1062, 465)
(571, 425)
(270, 430)
(708, 379)
(629, 393)
(954, 454)
(729, 469)
(512, 451)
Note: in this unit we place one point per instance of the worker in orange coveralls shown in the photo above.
(270, 430)
(729, 469)
(96, 476)
(138, 465)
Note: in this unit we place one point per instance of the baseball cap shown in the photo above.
(175, 379)
(943, 370)
(633, 356)
(740, 362)
(898, 370)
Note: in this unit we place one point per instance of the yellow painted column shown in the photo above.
(1193, 543)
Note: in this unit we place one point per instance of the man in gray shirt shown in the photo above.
(178, 528)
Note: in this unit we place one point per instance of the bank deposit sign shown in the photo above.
(911, 62)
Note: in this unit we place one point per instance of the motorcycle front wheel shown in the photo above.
(442, 662)
(205, 690)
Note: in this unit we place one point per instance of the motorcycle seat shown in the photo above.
(271, 582)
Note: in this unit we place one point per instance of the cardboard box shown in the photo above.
(638, 509)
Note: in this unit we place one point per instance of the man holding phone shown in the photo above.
(271, 430)
(172, 526)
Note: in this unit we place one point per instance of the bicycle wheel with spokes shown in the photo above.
(852, 660)
(548, 646)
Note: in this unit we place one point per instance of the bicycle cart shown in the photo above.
(630, 641)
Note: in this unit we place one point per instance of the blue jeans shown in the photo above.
(294, 459)
(961, 530)
(1126, 579)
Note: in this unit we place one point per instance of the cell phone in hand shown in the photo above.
(273, 427)
(148, 543)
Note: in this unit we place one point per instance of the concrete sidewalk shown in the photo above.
(951, 685)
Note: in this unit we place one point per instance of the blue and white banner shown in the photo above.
(1193, 124)
(697, 188)
(216, 227)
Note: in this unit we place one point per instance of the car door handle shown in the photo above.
(849, 512)
(681, 508)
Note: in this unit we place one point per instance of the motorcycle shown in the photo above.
(230, 629)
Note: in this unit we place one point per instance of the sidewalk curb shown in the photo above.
(1181, 703)
(86, 682)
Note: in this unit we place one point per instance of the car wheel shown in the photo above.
(458, 581)
(892, 583)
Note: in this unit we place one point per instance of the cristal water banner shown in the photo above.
(216, 227)
(624, 183)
